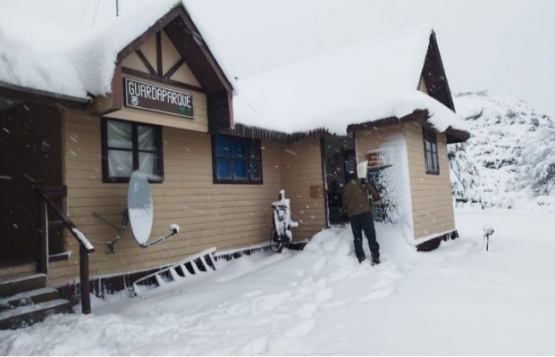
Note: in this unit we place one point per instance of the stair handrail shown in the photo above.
(45, 193)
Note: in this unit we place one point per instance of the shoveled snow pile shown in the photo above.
(456, 300)
(510, 159)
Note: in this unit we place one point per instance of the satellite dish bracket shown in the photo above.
(124, 223)
(174, 228)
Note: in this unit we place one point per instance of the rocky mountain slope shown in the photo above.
(510, 159)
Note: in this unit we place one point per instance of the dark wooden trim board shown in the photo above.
(434, 243)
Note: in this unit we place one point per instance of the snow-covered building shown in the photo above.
(147, 93)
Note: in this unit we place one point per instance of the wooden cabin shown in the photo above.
(170, 112)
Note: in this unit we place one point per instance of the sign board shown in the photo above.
(157, 99)
(378, 159)
(373, 159)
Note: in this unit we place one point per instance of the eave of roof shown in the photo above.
(17, 95)
(420, 116)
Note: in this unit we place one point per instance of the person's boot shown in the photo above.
(361, 259)
(375, 260)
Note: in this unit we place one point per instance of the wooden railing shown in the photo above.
(45, 195)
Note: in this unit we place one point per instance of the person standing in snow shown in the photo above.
(359, 210)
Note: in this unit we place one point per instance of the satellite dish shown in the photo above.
(139, 207)
(139, 214)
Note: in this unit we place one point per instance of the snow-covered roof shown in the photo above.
(37, 54)
(32, 56)
(366, 81)
(362, 82)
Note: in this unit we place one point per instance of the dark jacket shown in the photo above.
(355, 197)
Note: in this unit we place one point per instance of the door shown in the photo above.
(339, 159)
(30, 154)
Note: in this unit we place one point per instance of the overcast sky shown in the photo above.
(504, 46)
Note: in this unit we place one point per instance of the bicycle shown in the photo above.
(281, 231)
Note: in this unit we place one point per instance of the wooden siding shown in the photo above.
(431, 194)
(224, 216)
(301, 170)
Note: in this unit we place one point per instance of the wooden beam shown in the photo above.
(160, 69)
(145, 61)
(174, 68)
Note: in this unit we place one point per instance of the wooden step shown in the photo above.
(27, 315)
(28, 297)
(13, 286)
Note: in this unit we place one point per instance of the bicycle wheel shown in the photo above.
(275, 244)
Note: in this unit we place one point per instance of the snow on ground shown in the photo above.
(458, 299)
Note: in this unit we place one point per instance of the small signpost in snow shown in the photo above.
(488, 231)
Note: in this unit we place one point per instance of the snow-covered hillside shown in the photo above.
(510, 159)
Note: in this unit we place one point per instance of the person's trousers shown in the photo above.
(364, 222)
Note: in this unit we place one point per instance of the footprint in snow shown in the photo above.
(300, 330)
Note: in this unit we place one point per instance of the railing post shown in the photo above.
(85, 247)
(42, 264)
(84, 277)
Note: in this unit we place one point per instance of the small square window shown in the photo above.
(129, 146)
(430, 152)
(236, 160)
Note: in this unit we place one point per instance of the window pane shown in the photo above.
(254, 150)
(429, 161)
(239, 148)
(223, 169)
(428, 145)
(148, 163)
(147, 138)
(120, 163)
(119, 135)
(239, 170)
(255, 171)
(223, 146)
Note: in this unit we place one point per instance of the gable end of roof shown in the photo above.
(186, 38)
(434, 75)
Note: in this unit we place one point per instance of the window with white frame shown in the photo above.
(129, 146)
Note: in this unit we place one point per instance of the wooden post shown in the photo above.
(42, 264)
(84, 277)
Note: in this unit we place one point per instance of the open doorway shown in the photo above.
(30, 155)
(339, 159)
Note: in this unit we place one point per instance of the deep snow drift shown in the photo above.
(458, 299)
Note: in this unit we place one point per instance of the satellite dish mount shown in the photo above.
(139, 214)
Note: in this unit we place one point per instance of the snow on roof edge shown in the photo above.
(359, 83)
